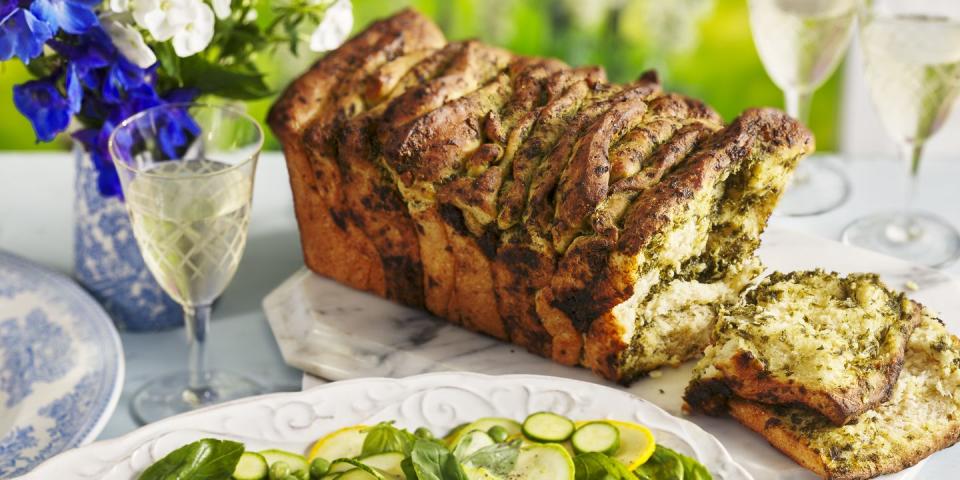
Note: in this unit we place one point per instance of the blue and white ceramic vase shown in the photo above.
(107, 260)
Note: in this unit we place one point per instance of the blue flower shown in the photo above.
(7, 6)
(122, 77)
(46, 108)
(89, 51)
(73, 16)
(95, 143)
(74, 88)
(22, 35)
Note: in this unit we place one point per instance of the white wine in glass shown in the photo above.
(801, 42)
(187, 176)
(912, 59)
(191, 225)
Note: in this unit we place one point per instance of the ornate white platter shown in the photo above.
(438, 401)
(61, 366)
(337, 333)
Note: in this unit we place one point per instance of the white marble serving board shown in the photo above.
(336, 333)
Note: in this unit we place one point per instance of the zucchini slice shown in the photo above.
(511, 426)
(358, 474)
(600, 437)
(636, 444)
(343, 466)
(548, 427)
(296, 462)
(386, 463)
(252, 466)
(344, 443)
(543, 461)
(471, 442)
(478, 473)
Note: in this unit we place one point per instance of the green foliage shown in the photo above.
(597, 466)
(432, 461)
(499, 458)
(385, 438)
(292, 18)
(206, 459)
(666, 464)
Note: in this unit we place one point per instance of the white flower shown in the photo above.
(128, 40)
(194, 36)
(188, 23)
(163, 18)
(334, 28)
(221, 8)
(119, 6)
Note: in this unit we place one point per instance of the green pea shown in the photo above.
(498, 433)
(319, 467)
(280, 471)
(423, 432)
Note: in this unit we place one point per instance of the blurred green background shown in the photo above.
(701, 48)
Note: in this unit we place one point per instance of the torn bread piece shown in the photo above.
(831, 343)
(921, 417)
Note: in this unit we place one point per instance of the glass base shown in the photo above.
(170, 395)
(816, 187)
(918, 237)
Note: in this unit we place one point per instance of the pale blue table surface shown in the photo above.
(36, 223)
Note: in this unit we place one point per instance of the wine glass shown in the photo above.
(187, 176)
(911, 51)
(800, 43)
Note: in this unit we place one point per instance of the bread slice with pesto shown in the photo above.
(921, 417)
(831, 343)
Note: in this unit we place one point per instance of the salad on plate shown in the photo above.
(545, 446)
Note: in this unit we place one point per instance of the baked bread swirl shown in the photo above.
(832, 343)
(592, 223)
(921, 417)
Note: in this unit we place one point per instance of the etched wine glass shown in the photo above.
(911, 52)
(187, 176)
(800, 43)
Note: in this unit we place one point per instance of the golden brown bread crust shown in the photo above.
(922, 417)
(342, 254)
(508, 194)
(859, 306)
(757, 418)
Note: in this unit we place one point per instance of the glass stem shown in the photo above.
(902, 229)
(197, 320)
(797, 104)
(910, 153)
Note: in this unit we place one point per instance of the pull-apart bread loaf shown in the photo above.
(591, 223)
(831, 343)
(921, 417)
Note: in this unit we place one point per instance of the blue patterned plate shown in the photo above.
(62, 365)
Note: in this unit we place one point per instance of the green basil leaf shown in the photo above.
(694, 470)
(207, 459)
(234, 82)
(384, 437)
(499, 458)
(432, 461)
(597, 466)
(664, 464)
